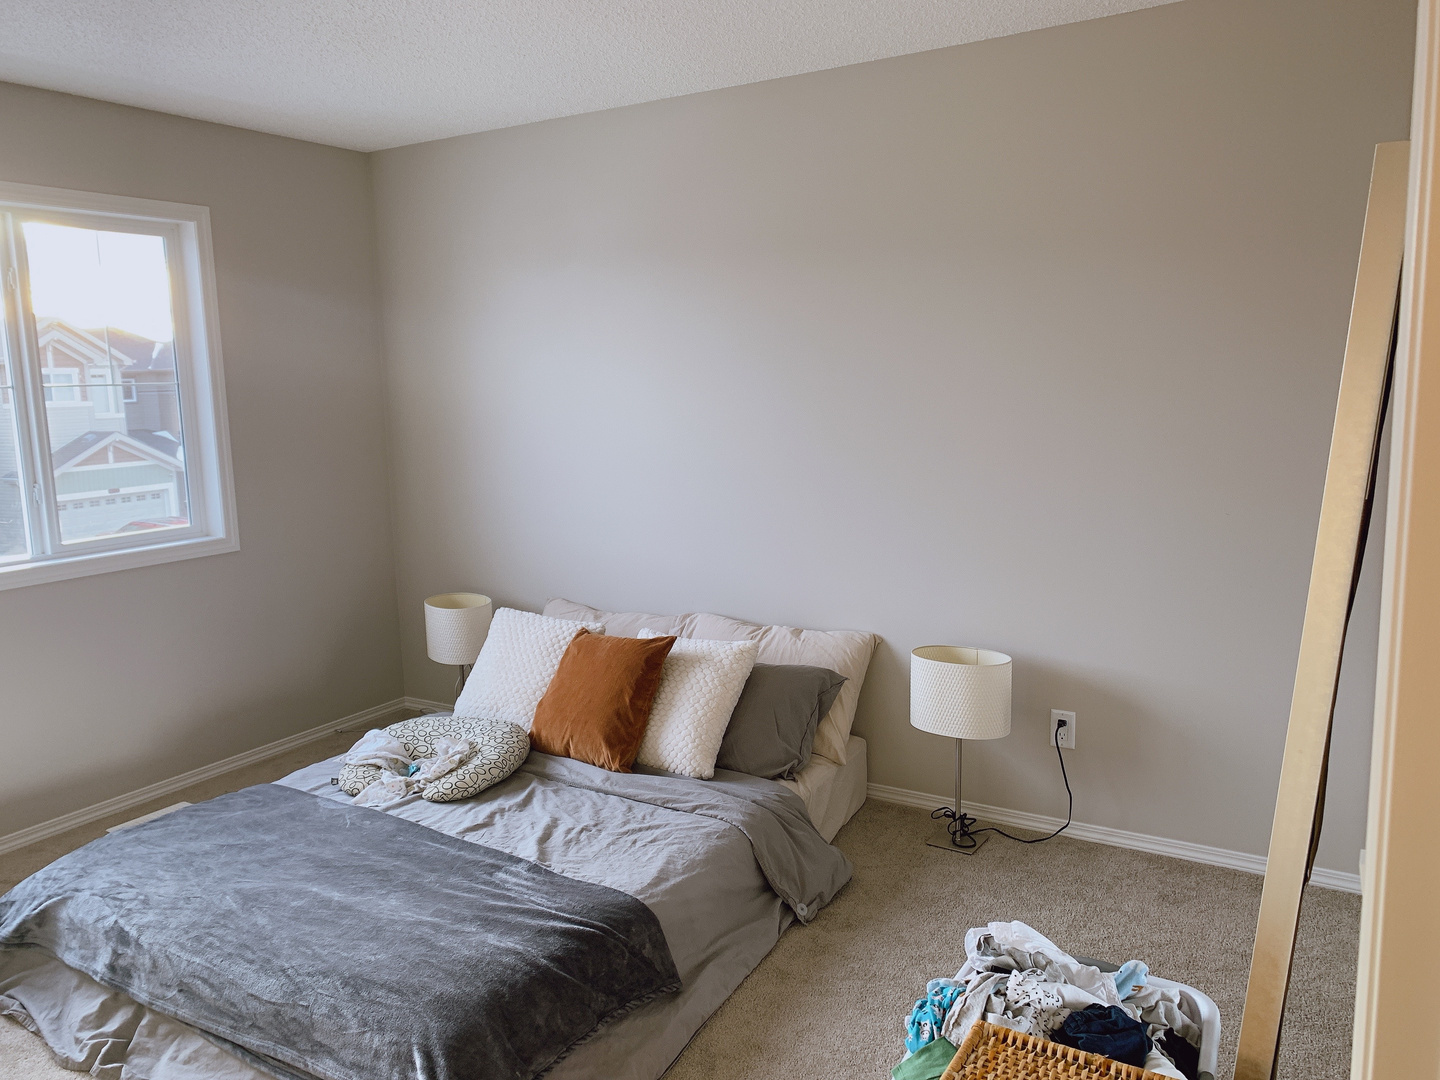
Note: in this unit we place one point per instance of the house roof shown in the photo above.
(156, 445)
(77, 446)
(140, 353)
(135, 353)
(162, 441)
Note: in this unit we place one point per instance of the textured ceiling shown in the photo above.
(369, 74)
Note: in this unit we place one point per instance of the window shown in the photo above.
(61, 387)
(113, 448)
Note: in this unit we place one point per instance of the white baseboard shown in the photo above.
(84, 816)
(1100, 834)
(1097, 834)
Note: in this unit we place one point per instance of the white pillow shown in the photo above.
(845, 651)
(516, 664)
(699, 686)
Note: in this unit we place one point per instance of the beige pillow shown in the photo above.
(845, 651)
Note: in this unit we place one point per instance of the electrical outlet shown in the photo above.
(1066, 734)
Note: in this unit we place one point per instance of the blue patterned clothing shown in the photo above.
(923, 1026)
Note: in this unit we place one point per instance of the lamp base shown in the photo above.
(969, 842)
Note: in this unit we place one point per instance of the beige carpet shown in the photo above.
(829, 1001)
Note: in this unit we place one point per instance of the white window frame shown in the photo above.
(199, 375)
(47, 378)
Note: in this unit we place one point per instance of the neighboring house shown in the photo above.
(106, 481)
(115, 442)
(84, 387)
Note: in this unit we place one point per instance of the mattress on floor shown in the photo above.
(832, 793)
(697, 874)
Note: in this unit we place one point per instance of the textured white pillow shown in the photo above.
(699, 686)
(516, 664)
(845, 651)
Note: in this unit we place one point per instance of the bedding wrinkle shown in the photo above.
(501, 995)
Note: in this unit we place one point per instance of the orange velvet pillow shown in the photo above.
(598, 703)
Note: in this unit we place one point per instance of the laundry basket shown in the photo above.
(1209, 1016)
(1201, 1007)
(991, 1052)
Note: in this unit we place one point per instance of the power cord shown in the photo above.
(960, 822)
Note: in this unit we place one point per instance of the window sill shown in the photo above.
(62, 568)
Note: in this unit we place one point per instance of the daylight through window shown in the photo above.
(111, 416)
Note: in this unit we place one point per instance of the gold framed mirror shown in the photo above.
(1339, 548)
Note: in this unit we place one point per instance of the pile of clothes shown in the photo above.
(1015, 977)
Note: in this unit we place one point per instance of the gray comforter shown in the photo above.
(245, 916)
(711, 859)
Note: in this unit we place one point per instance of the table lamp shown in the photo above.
(963, 694)
(455, 627)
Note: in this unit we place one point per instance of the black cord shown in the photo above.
(960, 821)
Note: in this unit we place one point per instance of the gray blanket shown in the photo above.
(244, 915)
(799, 865)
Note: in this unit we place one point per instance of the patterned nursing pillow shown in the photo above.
(500, 748)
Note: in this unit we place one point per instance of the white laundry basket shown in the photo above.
(1201, 1007)
(1209, 1016)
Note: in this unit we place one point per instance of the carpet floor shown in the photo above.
(829, 1001)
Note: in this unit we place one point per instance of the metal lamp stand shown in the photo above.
(953, 829)
(465, 670)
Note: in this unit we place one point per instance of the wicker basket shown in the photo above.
(991, 1052)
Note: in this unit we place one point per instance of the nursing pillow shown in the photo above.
(500, 748)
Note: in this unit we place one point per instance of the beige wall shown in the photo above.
(118, 680)
(1031, 344)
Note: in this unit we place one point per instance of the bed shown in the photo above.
(725, 865)
(833, 793)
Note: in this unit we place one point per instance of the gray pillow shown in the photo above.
(773, 725)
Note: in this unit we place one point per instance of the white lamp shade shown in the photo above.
(455, 626)
(959, 692)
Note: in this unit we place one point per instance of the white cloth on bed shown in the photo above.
(381, 749)
(396, 780)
